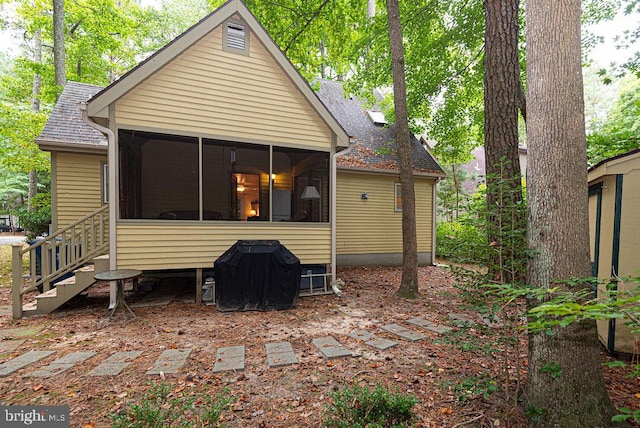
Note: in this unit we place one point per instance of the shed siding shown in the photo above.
(629, 259)
(209, 91)
(186, 246)
(78, 185)
(629, 262)
(373, 226)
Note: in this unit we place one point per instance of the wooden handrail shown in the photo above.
(59, 253)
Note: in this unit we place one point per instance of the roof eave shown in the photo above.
(61, 146)
(418, 173)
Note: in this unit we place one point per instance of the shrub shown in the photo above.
(356, 407)
(36, 222)
(161, 407)
(461, 241)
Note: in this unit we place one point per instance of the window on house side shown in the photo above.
(105, 183)
(398, 197)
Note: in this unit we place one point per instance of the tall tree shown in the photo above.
(409, 284)
(58, 43)
(502, 88)
(565, 384)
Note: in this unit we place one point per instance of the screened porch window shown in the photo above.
(160, 176)
(235, 181)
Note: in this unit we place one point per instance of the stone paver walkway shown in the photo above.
(229, 358)
(403, 332)
(429, 325)
(280, 354)
(22, 361)
(373, 340)
(113, 365)
(63, 364)
(170, 361)
(330, 348)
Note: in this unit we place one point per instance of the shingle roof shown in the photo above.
(375, 146)
(65, 124)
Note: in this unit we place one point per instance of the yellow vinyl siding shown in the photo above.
(214, 92)
(372, 225)
(78, 185)
(186, 246)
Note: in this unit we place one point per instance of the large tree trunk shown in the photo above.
(58, 42)
(501, 102)
(409, 284)
(35, 106)
(558, 231)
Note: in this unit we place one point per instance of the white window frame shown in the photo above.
(397, 194)
(105, 183)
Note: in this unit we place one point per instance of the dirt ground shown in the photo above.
(458, 378)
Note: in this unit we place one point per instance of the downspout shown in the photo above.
(111, 159)
(334, 188)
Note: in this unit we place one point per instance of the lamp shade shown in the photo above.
(310, 192)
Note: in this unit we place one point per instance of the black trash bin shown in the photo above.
(257, 275)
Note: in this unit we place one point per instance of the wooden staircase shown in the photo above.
(64, 290)
(79, 248)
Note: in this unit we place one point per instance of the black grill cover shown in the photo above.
(257, 275)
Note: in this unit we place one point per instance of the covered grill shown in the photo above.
(257, 275)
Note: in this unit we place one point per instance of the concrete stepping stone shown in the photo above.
(429, 325)
(19, 332)
(10, 345)
(22, 361)
(330, 348)
(280, 354)
(63, 364)
(461, 320)
(403, 332)
(113, 365)
(229, 358)
(170, 361)
(373, 340)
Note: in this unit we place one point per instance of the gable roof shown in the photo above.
(375, 146)
(65, 129)
(98, 104)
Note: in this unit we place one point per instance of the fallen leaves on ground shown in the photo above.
(457, 377)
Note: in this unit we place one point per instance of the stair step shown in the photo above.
(29, 307)
(48, 294)
(69, 281)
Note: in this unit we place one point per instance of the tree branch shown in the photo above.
(306, 24)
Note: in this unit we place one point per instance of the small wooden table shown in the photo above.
(120, 276)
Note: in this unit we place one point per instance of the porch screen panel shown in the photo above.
(158, 176)
(235, 181)
(301, 185)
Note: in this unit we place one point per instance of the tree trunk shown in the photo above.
(501, 102)
(58, 43)
(409, 284)
(35, 106)
(37, 79)
(558, 227)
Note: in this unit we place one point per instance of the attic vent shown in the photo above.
(377, 117)
(235, 36)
